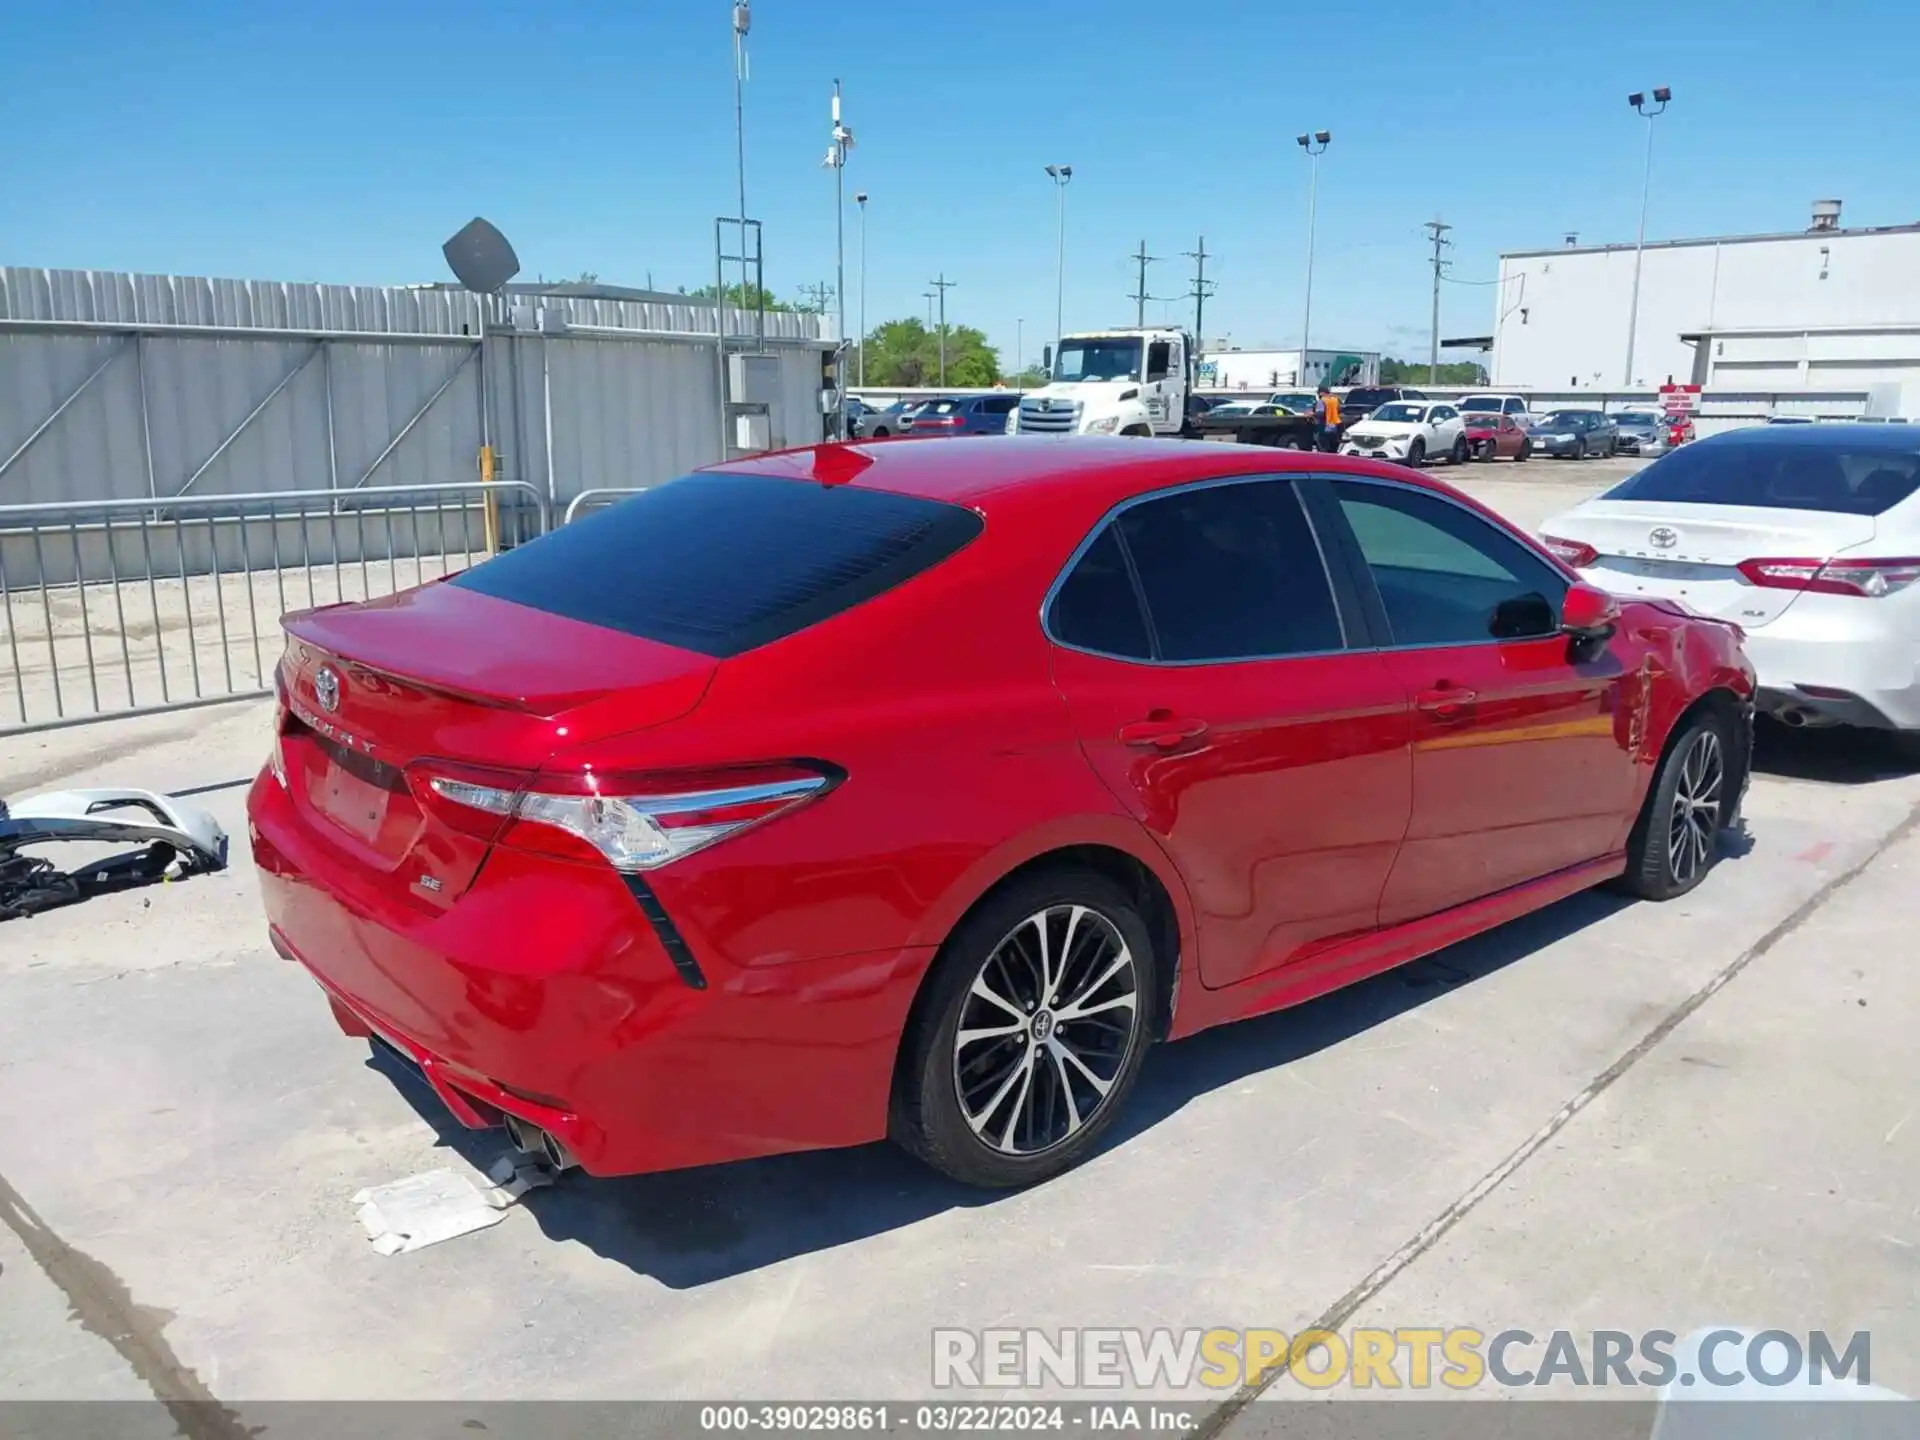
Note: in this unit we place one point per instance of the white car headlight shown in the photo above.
(1105, 425)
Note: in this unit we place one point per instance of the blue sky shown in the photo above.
(344, 141)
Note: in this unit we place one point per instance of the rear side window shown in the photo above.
(1782, 475)
(1097, 608)
(722, 563)
(1231, 572)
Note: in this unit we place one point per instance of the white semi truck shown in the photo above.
(1138, 382)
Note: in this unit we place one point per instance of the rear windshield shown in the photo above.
(722, 563)
(1481, 402)
(1866, 481)
(1369, 397)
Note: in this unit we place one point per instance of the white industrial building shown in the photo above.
(1825, 308)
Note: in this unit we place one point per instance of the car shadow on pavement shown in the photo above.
(692, 1227)
(1835, 756)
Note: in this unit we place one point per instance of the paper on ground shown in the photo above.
(422, 1210)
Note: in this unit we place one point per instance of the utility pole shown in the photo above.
(1436, 229)
(817, 295)
(742, 23)
(927, 295)
(1202, 287)
(1061, 176)
(1020, 345)
(1140, 296)
(943, 285)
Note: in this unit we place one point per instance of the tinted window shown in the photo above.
(721, 563)
(1231, 571)
(1096, 607)
(1159, 360)
(1000, 404)
(1366, 398)
(1790, 468)
(1516, 407)
(1445, 575)
(1480, 402)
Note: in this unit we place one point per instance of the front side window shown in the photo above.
(1446, 576)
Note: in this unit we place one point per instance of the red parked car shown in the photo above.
(1494, 437)
(914, 790)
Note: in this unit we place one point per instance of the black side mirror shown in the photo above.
(1522, 617)
(1046, 358)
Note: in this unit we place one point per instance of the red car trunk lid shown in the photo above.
(444, 673)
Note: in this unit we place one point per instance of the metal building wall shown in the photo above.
(130, 386)
(1560, 316)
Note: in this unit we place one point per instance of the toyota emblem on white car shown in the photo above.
(326, 688)
(1663, 537)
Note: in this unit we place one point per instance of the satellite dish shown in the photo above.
(480, 257)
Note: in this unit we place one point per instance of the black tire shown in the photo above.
(1673, 844)
(1580, 448)
(997, 947)
(1458, 455)
(1417, 453)
(880, 432)
(1526, 449)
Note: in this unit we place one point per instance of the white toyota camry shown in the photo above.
(1806, 536)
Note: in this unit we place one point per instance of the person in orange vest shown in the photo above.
(1326, 411)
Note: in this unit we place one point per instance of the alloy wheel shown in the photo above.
(1048, 1025)
(1694, 821)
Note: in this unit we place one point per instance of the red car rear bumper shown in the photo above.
(578, 1023)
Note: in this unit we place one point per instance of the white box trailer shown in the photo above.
(1268, 369)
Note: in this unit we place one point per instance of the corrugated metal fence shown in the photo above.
(250, 414)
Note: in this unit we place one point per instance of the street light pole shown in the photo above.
(742, 22)
(1020, 345)
(1315, 144)
(842, 142)
(1661, 96)
(1061, 176)
(860, 199)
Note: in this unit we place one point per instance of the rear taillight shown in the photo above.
(634, 822)
(1869, 579)
(276, 757)
(1576, 553)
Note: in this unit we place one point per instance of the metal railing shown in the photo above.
(596, 500)
(126, 607)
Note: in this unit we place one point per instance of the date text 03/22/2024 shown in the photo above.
(946, 1418)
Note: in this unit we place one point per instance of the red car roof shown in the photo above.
(984, 472)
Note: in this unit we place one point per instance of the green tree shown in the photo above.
(746, 296)
(906, 352)
(1031, 378)
(1415, 372)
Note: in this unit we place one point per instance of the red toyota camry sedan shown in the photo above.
(914, 790)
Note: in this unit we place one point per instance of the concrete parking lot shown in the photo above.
(1604, 1116)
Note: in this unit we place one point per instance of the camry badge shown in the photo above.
(326, 688)
(1662, 537)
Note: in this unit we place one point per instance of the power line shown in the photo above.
(817, 295)
(1437, 229)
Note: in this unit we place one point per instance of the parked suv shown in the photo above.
(1497, 404)
(1363, 400)
(965, 415)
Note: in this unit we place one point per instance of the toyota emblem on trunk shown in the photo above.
(1662, 537)
(326, 688)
